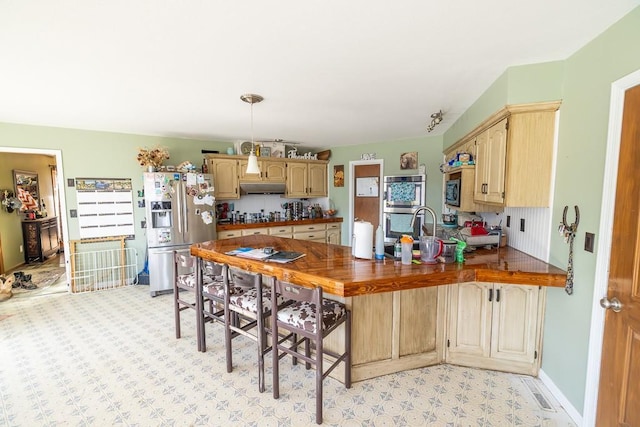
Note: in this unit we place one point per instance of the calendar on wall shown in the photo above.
(105, 207)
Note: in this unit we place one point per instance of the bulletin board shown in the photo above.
(105, 207)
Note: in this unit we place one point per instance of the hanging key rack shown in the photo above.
(569, 233)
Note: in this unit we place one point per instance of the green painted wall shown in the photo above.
(583, 82)
(579, 178)
(429, 151)
(91, 154)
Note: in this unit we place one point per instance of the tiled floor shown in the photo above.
(111, 357)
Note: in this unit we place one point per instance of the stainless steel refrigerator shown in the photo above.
(180, 211)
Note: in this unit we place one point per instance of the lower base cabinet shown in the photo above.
(393, 332)
(495, 326)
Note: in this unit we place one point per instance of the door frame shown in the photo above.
(596, 333)
(352, 166)
(61, 194)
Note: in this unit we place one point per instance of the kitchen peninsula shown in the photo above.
(405, 315)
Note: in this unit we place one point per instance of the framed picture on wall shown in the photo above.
(409, 160)
(338, 175)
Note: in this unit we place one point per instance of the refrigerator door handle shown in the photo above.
(156, 252)
(185, 211)
(179, 207)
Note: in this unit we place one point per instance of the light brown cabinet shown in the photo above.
(495, 326)
(491, 149)
(306, 179)
(270, 171)
(334, 233)
(513, 154)
(396, 331)
(302, 178)
(225, 177)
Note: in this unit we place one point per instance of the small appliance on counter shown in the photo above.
(362, 244)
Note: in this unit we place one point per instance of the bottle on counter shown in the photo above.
(379, 251)
(397, 250)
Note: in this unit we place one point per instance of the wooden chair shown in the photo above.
(251, 304)
(303, 319)
(211, 297)
(187, 294)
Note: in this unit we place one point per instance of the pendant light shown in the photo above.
(252, 165)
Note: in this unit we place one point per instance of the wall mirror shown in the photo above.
(27, 189)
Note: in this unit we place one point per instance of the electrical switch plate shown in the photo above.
(73, 213)
(589, 239)
(71, 182)
(521, 224)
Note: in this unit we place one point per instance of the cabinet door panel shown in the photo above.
(418, 320)
(273, 171)
(297, 179)
(225, 178)
(373, 342)
(497, 143)
(470, 320)
(515, 323)
(317, 180)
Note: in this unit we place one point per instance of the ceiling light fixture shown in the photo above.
(252, 164)
(436, 118)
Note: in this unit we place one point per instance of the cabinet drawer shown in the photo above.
(317, 235)
(309, 228)
(251, 231)
(278, 231)
(228, 234)
(334, 226)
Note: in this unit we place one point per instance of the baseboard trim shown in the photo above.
(560, 397)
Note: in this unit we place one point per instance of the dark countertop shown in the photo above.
(245, 225)
(339, 273)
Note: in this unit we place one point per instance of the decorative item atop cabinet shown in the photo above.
(513, 152)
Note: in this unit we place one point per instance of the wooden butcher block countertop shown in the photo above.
(339, 273)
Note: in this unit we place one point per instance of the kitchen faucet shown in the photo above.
(433, 214)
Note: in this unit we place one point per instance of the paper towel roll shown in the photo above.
(362, 245)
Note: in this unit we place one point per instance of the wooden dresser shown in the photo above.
(40, 239)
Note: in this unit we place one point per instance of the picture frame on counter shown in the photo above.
(265, 151)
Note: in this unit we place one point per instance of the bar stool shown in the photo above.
(186, 279)
(303, 319)
(251, 303)
(212, 291)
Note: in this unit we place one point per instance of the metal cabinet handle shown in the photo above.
(613, 304)
(490, 294)
(497, 295)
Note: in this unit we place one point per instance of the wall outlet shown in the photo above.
(21, 249)
(521, 224)
(589, 239)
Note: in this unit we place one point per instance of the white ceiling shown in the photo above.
(332, 72)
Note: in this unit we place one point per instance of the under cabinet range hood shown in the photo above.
(262, 187)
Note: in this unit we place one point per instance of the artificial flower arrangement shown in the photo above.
(152, 157)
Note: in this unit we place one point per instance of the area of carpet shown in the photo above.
(42, 277)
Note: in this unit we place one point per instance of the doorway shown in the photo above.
(620, 116)
(365, 203)
(58, 193)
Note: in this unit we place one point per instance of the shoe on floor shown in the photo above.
(28, 286)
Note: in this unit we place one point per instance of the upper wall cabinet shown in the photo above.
(513, 155)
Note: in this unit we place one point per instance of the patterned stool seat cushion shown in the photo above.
(302, 315)
(216, 290)
(189, 280)
(247, 299)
